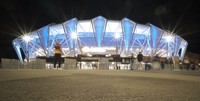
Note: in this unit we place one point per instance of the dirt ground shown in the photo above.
(98, 85)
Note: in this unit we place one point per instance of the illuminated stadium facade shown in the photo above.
(100, 36)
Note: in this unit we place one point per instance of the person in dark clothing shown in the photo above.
(140, 59)
(57, 54)
(162, 64)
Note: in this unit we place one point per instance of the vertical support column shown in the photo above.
(17, 49)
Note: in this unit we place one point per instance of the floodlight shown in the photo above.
(117, 35)
(74, 35)
(26, 38)
(168, 38)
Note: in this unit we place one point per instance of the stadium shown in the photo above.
(100, 37)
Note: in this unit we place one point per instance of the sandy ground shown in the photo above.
(98, 85)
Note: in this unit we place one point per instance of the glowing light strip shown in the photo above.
(93, 49)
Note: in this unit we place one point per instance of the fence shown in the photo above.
(16, 64)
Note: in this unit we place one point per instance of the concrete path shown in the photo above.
(98, 85)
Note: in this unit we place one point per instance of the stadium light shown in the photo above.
(74, 35)
(26, 38)
(168, 38)
(117, 35)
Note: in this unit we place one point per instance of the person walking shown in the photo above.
(140, 59)
(57, 54)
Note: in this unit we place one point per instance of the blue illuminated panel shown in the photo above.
(109, 39)
(43, 34)
(156, 35)
(183, 46)
(87, 39)
(99, 27)
(178, 42)
(128, 28)
(17, 49)
(70, 27)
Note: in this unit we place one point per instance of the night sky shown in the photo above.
(18, 16)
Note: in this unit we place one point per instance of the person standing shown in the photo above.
(57, 54)
(132, 61)
(171, 63)
(162, 63)
(140, 59)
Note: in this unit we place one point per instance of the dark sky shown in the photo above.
(17, 16)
